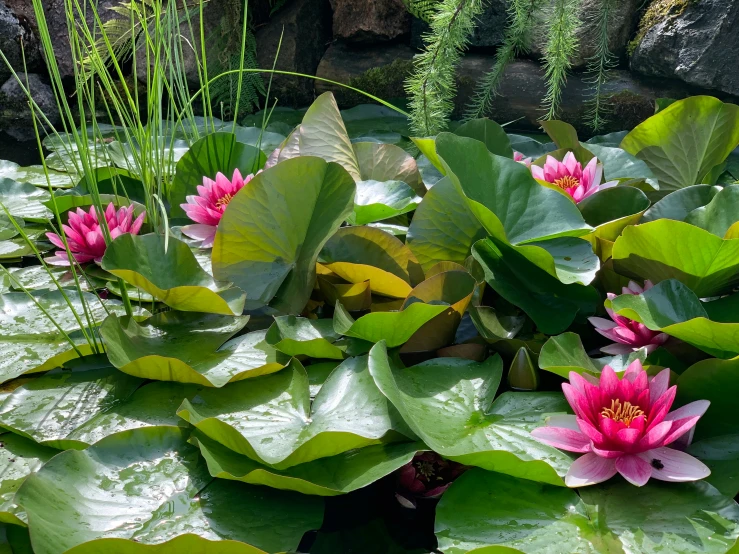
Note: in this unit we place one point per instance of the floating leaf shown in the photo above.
(23, 200)
(168, 270)
(163, 496)
(489, 133)
(331, 476)
(272, 421)
(449, 404)
(387, 162)
(298, 336)
(718, 215)
(378, 200)
(270, 236)
(678, 204)
(565, 353)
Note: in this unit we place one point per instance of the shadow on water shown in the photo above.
(21, 152)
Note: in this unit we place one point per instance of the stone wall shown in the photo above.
(666, 48)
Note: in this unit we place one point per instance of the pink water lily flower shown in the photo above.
(85, 235)
(569, 175)
(207, 207)
(628, 335)
(518, 157)
(625, 426)
(427, 475)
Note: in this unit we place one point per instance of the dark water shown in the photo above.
(23, 153)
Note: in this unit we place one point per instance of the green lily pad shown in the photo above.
(162, 348)
(672, 308)
(565, 353)
(721, 455)
(667, 249)
(718, 382)
(169, 271)
(271, 419)
(273, 230)
(489, 133)
(49, 408)
(265, 140)
(24, 200)
(613, 204)
(214, 153)
(486, 513)
(148, 487)
(618, 164)
(35, 175)
(396, 328)
(298, 336)
(683, 142)
(387, 162)
(378, 200)
(19, 458)
(331, 476)
(678, 204)
(31, 342)
(552, 304)
(448, 403)
(718, 215)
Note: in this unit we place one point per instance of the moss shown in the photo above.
(385, 82)
(657, 12)
(629, 108)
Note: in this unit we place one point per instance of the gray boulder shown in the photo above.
(17, 41)
(369, 21)
(16, 117)
(699, 45)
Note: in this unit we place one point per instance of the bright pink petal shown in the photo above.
(590, 469)
(655, 436)
(668, 464)
(205, 233)
(562, 438)
(658, 385)
(634, 469)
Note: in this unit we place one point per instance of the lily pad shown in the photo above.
(387, 162)
(379, 200)
(331, 476)
(298, 336)
(485, 512)
(48, 409)
(24, 200)
(168, 270)
(678, 204)
(273, 230)
(448, 403)
(721, 455)
(489, 133)
(164, 496)
(162, 348)
(272, 421)
(565, 353)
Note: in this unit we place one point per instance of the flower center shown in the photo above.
(566, 182)
(426, 469)
(625, 413)
(223, 201)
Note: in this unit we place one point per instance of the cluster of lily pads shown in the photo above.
(331, 305)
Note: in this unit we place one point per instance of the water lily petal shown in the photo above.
(562, 438)
(589, 469)
(675, 465)
(634, 469)
(658, 385)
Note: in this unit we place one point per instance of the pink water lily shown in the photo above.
(570, 176)
(518, 157)
(428, 475)
(628, 335)
(625, 426)
(207, 207)
(85, 235)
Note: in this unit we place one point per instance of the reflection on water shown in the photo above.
(23, 153)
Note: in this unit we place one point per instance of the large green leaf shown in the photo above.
(448, 403)
(565, 353)
(489, 133)
(717, 381)
(396, 328)
(622, 166)
(30, 341)
(167, 269)
(721, 455)
(270, 236)
(298, 336)
(49, 408)
(718, 215)
(331, 476)
(149, 487)
(613, 204)
(35, 175)
(271, 419)
(678, 204)
(214, 153)
(379, 200)
(672, 308)
(19, 458)
(163, 348)
(552, 304)
(488, 513)
(387, 162)
(23, 200)
(526, 210)
(668, 249)
(683, 142)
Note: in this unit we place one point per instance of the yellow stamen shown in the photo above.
(224, 200)
(566, 182)
(624, 413)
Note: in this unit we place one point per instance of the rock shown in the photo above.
(380, 71)
(307, 31)
(16, 117)
(523, 88)
(697, 43)
(621, 26)
(15, 30)
(490, 30)
(369, 21)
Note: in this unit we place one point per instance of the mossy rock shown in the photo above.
(657, 12)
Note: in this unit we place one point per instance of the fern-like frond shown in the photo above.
(517, 41)
(562, 23)
(432, 85)
(422, 9)
(600, 64)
